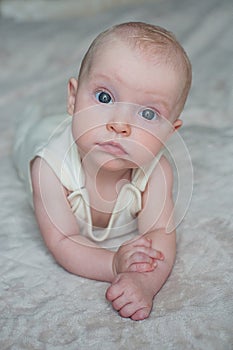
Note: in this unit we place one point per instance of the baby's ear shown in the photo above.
(72, 89)
(177, 124)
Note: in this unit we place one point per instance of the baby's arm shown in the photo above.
(132, 293)
(60, 231)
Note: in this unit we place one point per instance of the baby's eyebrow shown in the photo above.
(109, 78)
(100, 76)
(164, 106)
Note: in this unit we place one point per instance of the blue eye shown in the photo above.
(149, 114)
(103, 97)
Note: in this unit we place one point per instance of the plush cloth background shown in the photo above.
(44, 307)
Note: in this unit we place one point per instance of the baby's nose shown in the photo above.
(119, 128)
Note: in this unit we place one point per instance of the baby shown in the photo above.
(101, 186)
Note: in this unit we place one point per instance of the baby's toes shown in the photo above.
(141, 314)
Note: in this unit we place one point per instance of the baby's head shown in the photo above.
(133, 81)
(155, 44)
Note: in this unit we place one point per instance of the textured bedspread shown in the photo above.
(44, 307)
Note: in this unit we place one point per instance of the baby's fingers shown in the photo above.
(151, 253)
(144, 245)
(142, 267)
(141, 262)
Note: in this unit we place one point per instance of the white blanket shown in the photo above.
(44, 307)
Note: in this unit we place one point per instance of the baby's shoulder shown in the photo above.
(42, 176)
(162, 173)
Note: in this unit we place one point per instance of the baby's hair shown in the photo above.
(150, 40)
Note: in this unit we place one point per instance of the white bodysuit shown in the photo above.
(51, 138)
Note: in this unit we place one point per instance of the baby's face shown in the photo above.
(125, 105)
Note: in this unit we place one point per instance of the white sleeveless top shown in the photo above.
(62, 155)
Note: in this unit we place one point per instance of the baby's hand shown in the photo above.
(137, 255)
(130, 297)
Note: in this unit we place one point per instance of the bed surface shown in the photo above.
(44, 307)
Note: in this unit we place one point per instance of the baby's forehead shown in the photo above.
(143, 48)
(114, 51)
(119, 62)
(153, 50)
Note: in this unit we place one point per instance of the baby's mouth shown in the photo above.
(112, 147)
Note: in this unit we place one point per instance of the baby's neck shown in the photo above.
(106, 183)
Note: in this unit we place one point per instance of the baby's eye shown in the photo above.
(103, 97)
(149, 114)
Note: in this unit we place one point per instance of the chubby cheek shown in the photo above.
(147, 146)
(83, 128)
(89, 121)
(79, 129)
(85, 140)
